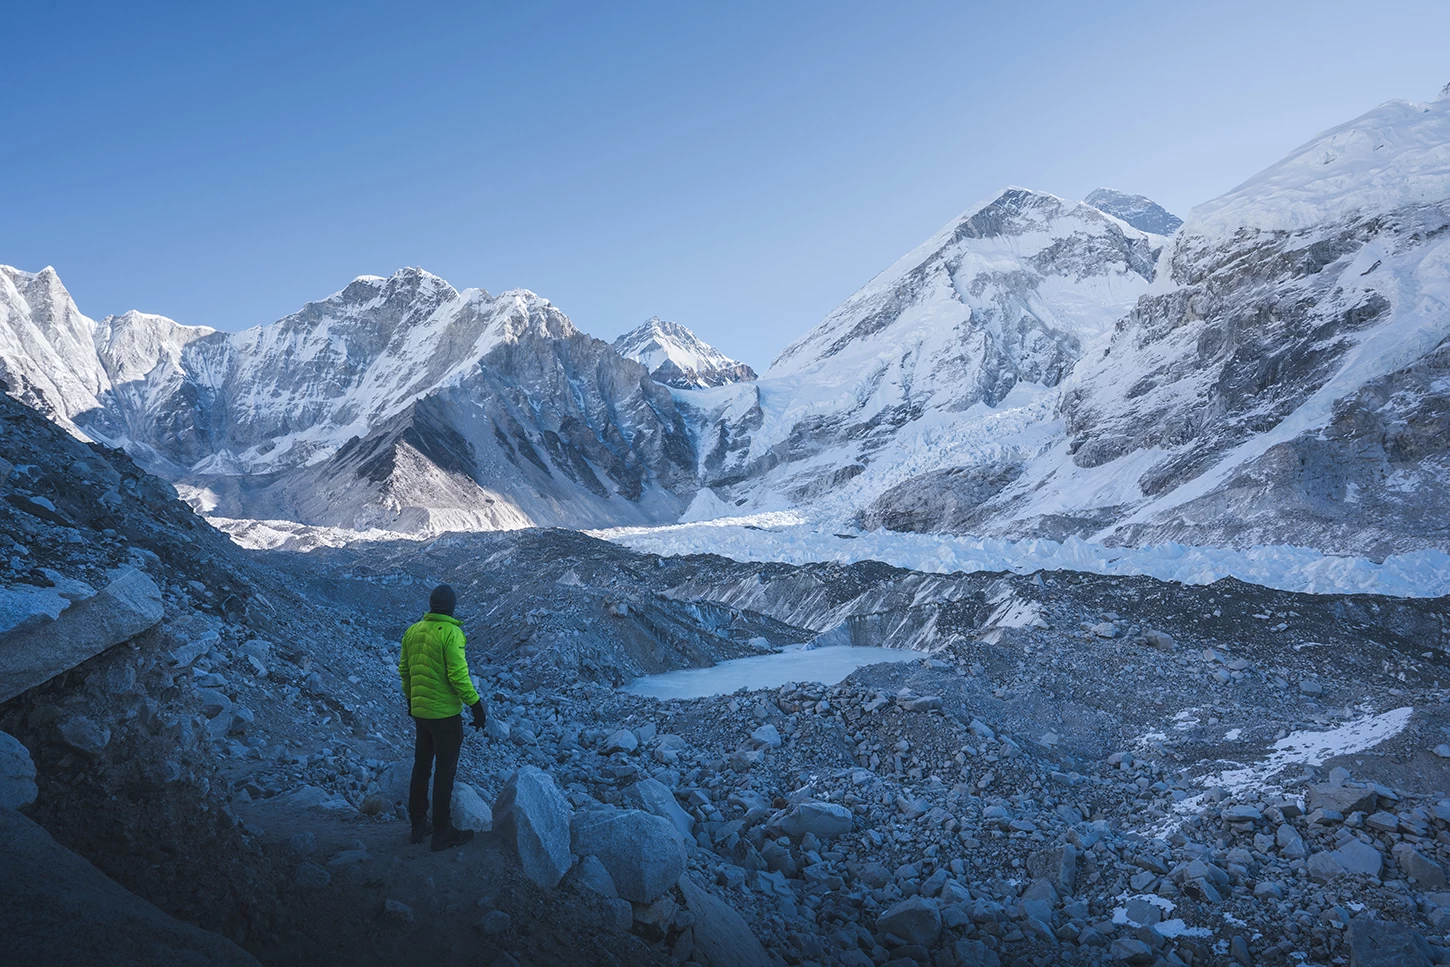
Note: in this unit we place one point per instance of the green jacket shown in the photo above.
(434, 669)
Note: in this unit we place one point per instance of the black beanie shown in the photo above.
(442, 600)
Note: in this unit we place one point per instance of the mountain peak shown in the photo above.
(1143, 213)
(677, 357)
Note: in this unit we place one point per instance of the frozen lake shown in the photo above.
(795, 664)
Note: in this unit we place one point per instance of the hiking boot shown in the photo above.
(421, 831)
(444, 838)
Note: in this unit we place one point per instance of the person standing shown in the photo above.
(436, 685)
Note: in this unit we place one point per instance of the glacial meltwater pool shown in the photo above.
(795, 664)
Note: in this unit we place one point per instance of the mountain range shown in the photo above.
(1272, 369)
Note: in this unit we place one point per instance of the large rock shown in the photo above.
(824, 819)
(1340, 798)
(38, 650)
(469, 809)
(654, 797)
(1359, 858)
(722, 937)
(644, 853)
(17, 773)
(533, 817)
(916, 920)
(59, 909)
(1380, 943)
(1429, 874)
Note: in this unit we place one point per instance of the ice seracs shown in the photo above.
(677, 357)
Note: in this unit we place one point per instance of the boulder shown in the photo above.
(655, 798)
(533, 817)
(59, 909)
(589, 874)
(17, 773)
(1429, 873)
(1339, 798)
(84, 735)
(766, 735)
(722, 937)
(1359, 858)
(469, 809)
(621, 741)
(1057, 865)
(916, 920)
(644, 853)
(823, 819)
(39, 649)
(1382, 943)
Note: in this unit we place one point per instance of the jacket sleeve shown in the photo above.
(457, 665)
(403, 670)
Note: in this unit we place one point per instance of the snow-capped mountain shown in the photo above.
(397, 402)
(677, 357)
(1142, 213)
(1285, 380)
(992, 311)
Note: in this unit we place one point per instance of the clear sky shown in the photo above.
(739, 167)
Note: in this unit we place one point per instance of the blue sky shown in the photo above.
(738, 167)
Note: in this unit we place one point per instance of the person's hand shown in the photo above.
(480, 717)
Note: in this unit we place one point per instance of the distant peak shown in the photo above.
(677, 357)
(1143, 213)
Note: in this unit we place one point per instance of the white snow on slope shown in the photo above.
(789, 537)
(1393, 156)
(677, 356)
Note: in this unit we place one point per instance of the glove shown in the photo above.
(480, 718)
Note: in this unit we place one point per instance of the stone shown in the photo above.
(17, 773)
(1058, 866)
(310, 876)
(921, 703)
(1383, 943)
(1132, 951)
(84, 735)
(375, 804)
(302, 845)
(1323, 867)
(589, 874)
(1416, 864)
(644, 853)
(1442, 750)
(1311, 688)
(1161, 640)
(1359, 858)
(469, 809)
(1290, 843)
(655, 798)
(916, 920)
(496, 728)
(532, 816)
(722, 937)
(396, 911)
(1385, 822)
(493, 923)
(1340, 799)
(822, 819)
(621, 741)
(59, 909)
(766, 735)
(34, 653)
(1105, 629)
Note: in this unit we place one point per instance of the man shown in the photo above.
(436, 686)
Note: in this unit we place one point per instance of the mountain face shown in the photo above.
(1285, 380)
(677, 357)
(997, 306)
(397, 402)
(1144, 214)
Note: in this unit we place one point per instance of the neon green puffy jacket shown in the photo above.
(434, 669)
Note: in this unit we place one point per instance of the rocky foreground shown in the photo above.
(1080, 769)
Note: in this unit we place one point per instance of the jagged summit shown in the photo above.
(677, 357)
(1141, 212)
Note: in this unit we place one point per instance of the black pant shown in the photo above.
(441, 739)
